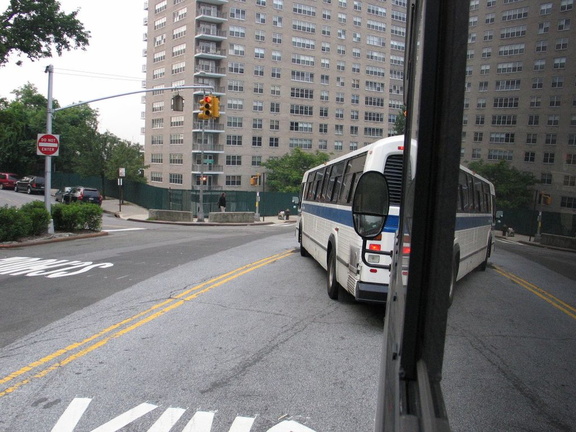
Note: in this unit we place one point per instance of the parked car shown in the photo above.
(8, 180)
(63, 195)
(30, 185)
(86, 195)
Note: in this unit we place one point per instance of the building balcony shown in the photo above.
(210, 15)
(211, 35)
(210, 126)
(207, 148)
(215, 2)
(207, 169)
(210, 53)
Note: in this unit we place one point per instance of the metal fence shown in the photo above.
(151, 197)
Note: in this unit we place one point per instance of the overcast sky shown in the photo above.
(112, 64)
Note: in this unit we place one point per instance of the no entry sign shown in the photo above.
(48, 145)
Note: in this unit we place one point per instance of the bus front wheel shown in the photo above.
(332, 283)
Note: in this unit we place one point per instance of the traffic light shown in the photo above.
(177, 103)
(255, 180)
(205, 108)
(545, 199)
(215, 107)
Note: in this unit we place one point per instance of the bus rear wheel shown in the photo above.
(303, 251)
(331, 282)
(484, 264)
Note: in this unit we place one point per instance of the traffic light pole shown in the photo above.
(200, 217)
(50, 112)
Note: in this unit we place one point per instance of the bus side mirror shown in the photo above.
(370, 204)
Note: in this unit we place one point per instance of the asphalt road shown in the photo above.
(229, 329)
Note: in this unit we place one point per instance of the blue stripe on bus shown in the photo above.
(344, 217)
(467, 222)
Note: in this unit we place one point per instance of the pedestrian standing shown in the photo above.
(222, 202)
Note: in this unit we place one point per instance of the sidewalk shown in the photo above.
(133, 212)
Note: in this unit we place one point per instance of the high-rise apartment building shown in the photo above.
(321, 75)
(520, 100)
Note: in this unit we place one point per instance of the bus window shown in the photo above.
(318, 184)
(324, 194)
(479, 205)
(309, 187)
(464, 203)
(335, 182)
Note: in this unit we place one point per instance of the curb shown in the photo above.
(53, 240)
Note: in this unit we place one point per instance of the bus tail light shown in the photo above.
(406, 250)
(374, 247)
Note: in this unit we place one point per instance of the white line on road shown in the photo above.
(124, 229)
(125, 419)
(167, 420)
(72, 415)
(511, 242)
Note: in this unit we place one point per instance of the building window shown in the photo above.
(155, 176)
(257, 141)
(234, 140)
(233, 180)
(531, 138)
(548, 158)
(546, 178)
(568, 202)
(273, 142)
(476, 153)
(256, 160)
(275, 125)
(175, 178)
(233, 160)
(569, 180)
(529, 156)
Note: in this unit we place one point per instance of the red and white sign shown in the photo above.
(48, 145)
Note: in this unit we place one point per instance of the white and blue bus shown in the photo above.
(325, 228)
(475, 215)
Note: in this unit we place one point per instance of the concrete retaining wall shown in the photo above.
(231, 217)
(558, 241)
(171, 215)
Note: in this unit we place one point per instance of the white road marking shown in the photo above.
(125, 419)
(72, 415)
(511, 242)
(51, 268)
(200, 422)
(123, 229)
(242, 424)
(167, 420)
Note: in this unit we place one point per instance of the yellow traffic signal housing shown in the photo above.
(546, 199)
(254, 180)
(205, 108)
(215, 107)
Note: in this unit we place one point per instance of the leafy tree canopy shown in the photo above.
(512, 186)
(36, 27)
(400, 123)
(83, 149)
(285, 173)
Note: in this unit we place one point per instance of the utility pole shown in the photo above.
(48, 161)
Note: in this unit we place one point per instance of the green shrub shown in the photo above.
(77, 216)
(39, 217)
(13, 224)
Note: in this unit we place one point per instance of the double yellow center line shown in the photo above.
(544, 295)
(80, 349)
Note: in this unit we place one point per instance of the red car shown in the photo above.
(8, 180)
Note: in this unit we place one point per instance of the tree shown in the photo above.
(22, 120)
(512, 186)
(34, 28)
(285, 173)
(400, 123)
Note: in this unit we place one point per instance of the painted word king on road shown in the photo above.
(201, 421)
(50, 268)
